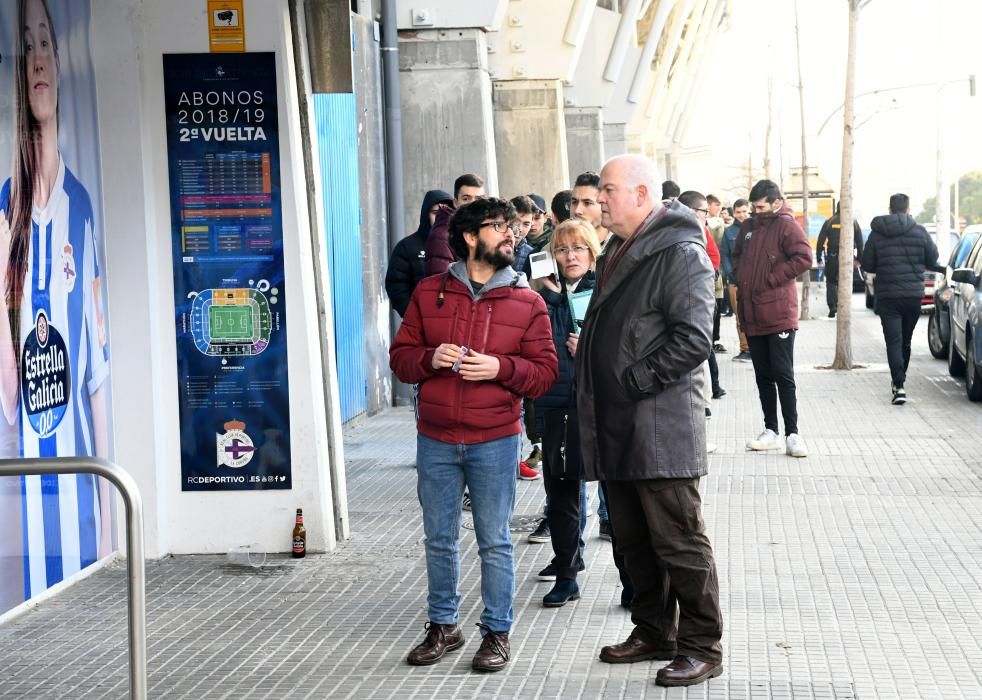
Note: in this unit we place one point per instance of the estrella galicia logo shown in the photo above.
(46, 379)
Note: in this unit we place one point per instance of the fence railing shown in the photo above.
(136, 581)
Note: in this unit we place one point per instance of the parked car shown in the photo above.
(930, 278)
(965, 307)
(939, 322)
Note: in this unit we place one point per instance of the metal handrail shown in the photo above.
(136, 585)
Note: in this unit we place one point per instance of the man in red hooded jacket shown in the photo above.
(771, 251)
(476, 339)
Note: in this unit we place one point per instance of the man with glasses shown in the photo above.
(475, 338)
(770, 252)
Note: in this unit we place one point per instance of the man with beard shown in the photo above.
(475, 339)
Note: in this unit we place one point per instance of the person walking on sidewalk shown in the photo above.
(827, 250)
(770, 252)
(741, 211)
(475, 339)
(898, 252)
(639, 377)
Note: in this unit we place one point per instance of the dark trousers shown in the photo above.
(714, 371)
(832, 283)
(670, 560)
(716, 317)
(618, 557)
(898, 318)
(773, 358)
(563, 516)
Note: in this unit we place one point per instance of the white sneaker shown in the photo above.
(767, 440)
(796, 446)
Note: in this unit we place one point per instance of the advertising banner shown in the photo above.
(54, 343)
(229, 292)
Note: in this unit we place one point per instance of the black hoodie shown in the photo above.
(406, 264)
(897, 252)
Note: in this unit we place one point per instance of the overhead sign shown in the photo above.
(226, 26)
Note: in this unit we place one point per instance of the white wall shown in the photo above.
(128, 40)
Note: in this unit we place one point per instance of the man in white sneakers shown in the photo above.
(771, 251)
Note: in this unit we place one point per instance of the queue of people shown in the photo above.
(596, 321)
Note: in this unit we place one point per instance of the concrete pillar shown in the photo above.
(615, 139)
(447, 125)
(584, 139)
(530, 137)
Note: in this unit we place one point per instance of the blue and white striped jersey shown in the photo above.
(64, 359)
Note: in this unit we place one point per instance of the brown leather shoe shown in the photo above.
(494, 652)
(439, 640)
(685, 670)
(635, 649)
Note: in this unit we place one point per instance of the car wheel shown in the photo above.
(870, 302)
(934, 341)
(973, 378)
(956, 365)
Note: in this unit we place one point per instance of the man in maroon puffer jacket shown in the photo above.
(771, 251)
(476, 339)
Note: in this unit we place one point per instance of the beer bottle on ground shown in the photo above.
(299, 536)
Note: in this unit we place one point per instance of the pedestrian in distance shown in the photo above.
(741, 211)
(475, 339)
(639, 381)
(770, 252)
(439, 253)
(827, 251)
(898, 252)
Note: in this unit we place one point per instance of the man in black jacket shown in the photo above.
(897, 252)
(827, 249)
(648, 331)
(406, 264)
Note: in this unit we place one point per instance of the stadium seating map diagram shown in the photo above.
(230, 322)
(227, 254)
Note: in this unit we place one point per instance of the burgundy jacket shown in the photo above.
(507, 320)
(771, 251)
(439, 254)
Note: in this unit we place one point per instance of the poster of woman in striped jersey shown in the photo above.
(54, 351)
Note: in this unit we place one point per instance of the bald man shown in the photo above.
(639, 370)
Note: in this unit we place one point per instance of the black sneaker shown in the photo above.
(899, 397)
(743, 357)
(541, 534)
(718, 347)
(467, 501)
(549, 573)
(719, 392)
(605, 530)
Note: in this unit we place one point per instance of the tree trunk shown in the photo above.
(806, 275)
(843, 330)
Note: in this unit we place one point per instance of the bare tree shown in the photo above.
(806, 275)
(843, 325)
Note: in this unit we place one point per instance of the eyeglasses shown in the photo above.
(578, 249)
(704, 211)
(500, 226)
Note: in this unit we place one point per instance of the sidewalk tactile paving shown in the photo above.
(847, 575)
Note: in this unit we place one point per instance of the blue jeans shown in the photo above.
(488, 471)
(602, 506)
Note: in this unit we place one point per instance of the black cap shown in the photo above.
(540, 203)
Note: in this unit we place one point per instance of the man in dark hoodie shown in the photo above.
(827, 249)
(647, 332)
(897, 252)
(407, 264)
(770, 252)
(439, 254)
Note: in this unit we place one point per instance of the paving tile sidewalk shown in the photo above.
(854, 573)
